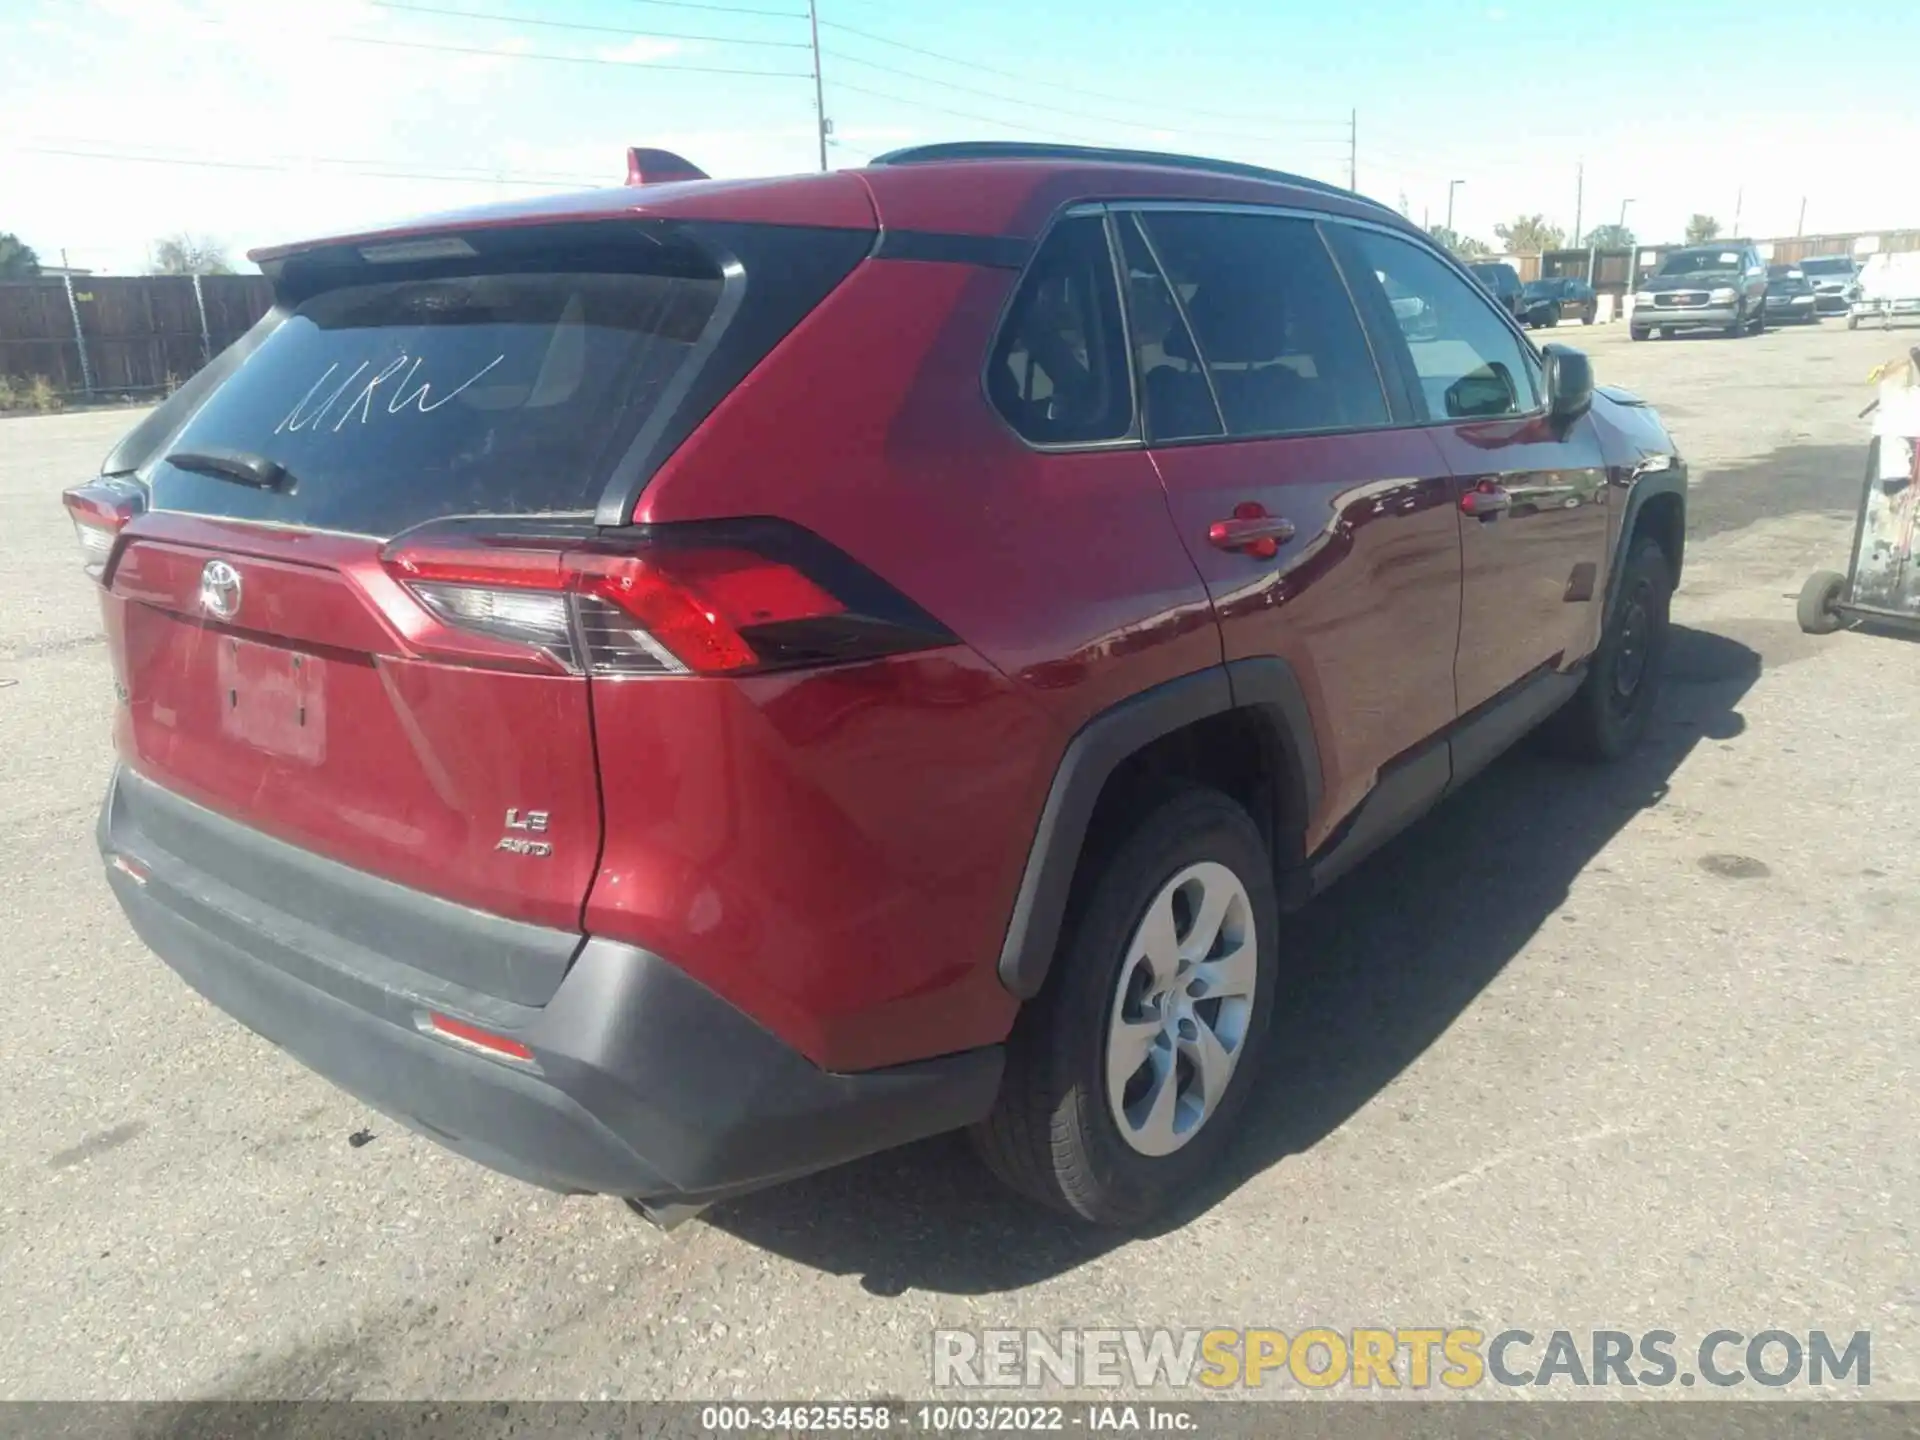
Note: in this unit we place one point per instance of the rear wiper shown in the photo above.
(243, 467)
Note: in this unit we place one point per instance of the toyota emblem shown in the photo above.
(220, 590)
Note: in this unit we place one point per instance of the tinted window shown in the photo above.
(1059, 370)
(1468, 362)
(392, 403)
(1173, 386)
(1272, 328)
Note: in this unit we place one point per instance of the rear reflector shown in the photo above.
(459, 1031)
(704, 599)
(100, 510)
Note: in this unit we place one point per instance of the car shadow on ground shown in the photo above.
(1377, 970)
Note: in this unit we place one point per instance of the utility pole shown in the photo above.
(1452, 185)
(1623, 211)
(1800, 226)
(1739, 199)
(1353, 151)
(819, 90)
(1579, 194)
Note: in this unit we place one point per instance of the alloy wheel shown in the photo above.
(1182, 1009)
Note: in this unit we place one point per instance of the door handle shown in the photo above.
(1251, 531)
(1486, 501)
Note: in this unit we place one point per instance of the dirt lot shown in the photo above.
(1631, 1048)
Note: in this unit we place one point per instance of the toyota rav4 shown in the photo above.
(672, 688)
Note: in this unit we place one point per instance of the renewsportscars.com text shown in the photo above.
(1421, 1358)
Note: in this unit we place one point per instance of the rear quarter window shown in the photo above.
(1058, 371)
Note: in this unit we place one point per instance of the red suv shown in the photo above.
(672, 688)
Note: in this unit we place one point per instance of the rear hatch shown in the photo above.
(320, 610)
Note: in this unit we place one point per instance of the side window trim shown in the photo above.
(1401, 413)
(1133, 438)
(1186, 324)
(1403, 353)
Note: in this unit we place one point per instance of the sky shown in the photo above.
(257, 121)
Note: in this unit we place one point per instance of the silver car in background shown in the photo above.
(1831, 276)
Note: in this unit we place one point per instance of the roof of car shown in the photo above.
(978, 188)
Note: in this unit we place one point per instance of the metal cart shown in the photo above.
(1882, 583)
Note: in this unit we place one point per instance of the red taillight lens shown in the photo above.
(100, 510)
(707, 599)
(459, 1031)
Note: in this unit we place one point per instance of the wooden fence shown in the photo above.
(123, 334)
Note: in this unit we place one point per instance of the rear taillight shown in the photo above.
(719, 598)
(100, 510)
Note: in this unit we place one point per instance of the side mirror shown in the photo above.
(1569, 383)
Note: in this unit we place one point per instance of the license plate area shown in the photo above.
(272, 699)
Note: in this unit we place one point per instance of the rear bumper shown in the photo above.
(643, 1083)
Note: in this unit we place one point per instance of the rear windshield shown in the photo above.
(1829, 265)
(391, 403)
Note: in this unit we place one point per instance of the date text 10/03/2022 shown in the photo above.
(941, 1419)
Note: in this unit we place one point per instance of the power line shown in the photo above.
(721, 9)
(970, 115)
(567, 59)
(1034, 104)
(1069, 89)
(284, 167)
(576, 25)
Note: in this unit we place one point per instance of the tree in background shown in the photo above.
(185, 254)
(1530, 235)
(17, 260)
(1465, 246)
(1701, 229)
(1610, 237)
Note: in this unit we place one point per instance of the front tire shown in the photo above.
(1638, 332)
(1614, 705)
(1125, 1077)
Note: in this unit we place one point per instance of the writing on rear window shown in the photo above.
(393, 402)
(400, 398)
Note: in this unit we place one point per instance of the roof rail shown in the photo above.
(1022, 150)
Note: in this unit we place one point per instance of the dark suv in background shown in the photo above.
(670, 688)
(1501, 280)
(1548, 302)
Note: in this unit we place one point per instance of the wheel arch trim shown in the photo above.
(1671, 481)
(1266, 687)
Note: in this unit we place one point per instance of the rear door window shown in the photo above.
(389, 403)
(1268, 329)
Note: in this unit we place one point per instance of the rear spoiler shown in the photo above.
(660, 167)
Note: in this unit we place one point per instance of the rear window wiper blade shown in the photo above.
(243, 467)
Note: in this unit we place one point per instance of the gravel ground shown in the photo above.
(1628, 1049)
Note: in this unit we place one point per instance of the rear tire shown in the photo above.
(1853, 322)
(1614, 705)
(1817, 598)
(1068, 1129)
